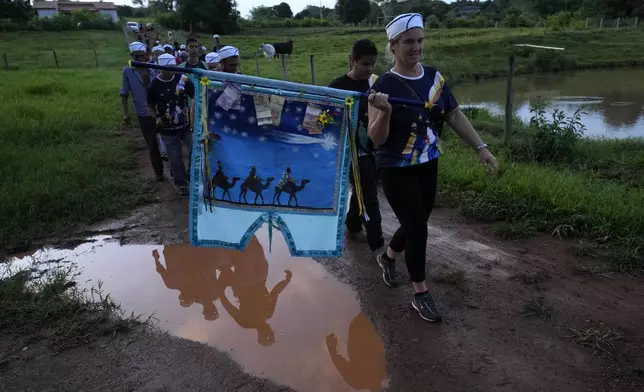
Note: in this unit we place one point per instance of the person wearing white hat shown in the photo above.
(212, 61)
(406, 139)
(217, 44)
(168, 49)
(157, 51)
(167, 98)
(135, 82)
(229, 60)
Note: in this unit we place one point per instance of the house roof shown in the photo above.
(73, 5)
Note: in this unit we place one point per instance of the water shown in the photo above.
(613, 100)
(278, 316)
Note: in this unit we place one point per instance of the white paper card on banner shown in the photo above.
(277, 105)
(311, 117)
(230, 98)
(263, 109)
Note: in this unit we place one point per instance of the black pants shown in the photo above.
(149, 130)
(411, 192)
(368, 182)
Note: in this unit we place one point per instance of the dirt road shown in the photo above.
(518, 316)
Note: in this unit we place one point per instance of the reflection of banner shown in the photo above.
(270, 151)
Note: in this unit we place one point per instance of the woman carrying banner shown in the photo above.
(406, 141)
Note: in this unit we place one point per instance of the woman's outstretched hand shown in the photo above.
(488, 160)
(379, 101)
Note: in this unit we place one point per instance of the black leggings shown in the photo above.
(410, 192)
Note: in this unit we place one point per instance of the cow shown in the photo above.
(283, 47)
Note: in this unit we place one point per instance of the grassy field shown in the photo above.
(463, 55)
(64, 159)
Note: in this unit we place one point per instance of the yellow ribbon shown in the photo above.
(355, 168)
(204, 125)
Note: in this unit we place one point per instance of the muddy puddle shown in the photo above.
(279, 317)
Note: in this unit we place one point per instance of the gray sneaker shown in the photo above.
(426, 308)
(388, 271)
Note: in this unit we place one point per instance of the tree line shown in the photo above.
(223, 17)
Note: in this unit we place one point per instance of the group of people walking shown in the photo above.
(397, 144)
(163, 101)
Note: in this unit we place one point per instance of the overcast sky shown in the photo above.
(244, 6)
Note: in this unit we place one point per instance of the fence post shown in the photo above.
(55, 58)
(636, 18)
(618, 23)
(6, 61)
(313, 69)
(586, 23)
(283, 58)
(257, 64)
(96, 58)
(601, 22)
(508, 100)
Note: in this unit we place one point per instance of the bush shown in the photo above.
(548, 140)
(78, 19)
(276, 23)
(559, 20)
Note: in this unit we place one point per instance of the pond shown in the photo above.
(612, 100)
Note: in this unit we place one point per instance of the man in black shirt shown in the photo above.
(167, 98)
(360, 78)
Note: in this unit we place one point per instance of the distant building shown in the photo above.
(47, 9)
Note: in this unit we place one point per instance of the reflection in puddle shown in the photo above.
(293, 322)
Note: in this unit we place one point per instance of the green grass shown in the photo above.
(63, 159)
(561, 201)
(51, 307)
(462, 54)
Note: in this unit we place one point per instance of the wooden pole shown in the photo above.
(313, 69)
(283, 58)
(601, 22)
(508, 100)
(55, 58)
(257, 64)
(586, 23)
(618, 22)
(96, 58)
(6, 61)
(636, 18)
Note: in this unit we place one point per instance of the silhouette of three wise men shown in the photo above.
(257, 185)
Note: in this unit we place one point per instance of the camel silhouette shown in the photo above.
(223, 183)
(255, 185)
(291, 189)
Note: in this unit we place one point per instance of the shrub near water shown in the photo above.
(63, 160)
(538, 189)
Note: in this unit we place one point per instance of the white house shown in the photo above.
(50, 8)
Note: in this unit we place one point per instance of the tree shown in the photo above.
(313, 11)
(209, 15)
(353, 11)
(15, 9)
(262, 12)
(283, 10)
